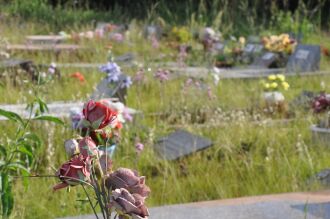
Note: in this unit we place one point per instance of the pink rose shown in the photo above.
(73, 172)
(98, 115)
(130, 204)
(128, 179)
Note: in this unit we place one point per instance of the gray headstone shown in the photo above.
(106, 89)
(153, 30)
(128, 57)
(253, 39)
(305, 58)
(180, 143)
(249, 48)
(267, 60)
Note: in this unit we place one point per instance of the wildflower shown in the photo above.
(52, 68)
(162, 75)
(272, 77)
(78, 76)
(113, 71)
(126, 83)
(139, 147)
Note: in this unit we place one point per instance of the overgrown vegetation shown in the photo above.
(253, 152)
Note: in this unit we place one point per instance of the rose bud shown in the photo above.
(71, 147)
(98, 115)
(128, 179)
(73, 172)
(129, 204)
(87, 147)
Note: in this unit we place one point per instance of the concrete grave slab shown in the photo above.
(266, 60)
(59, 109)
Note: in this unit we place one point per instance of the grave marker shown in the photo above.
(106, 89)
(180, 143)
(267, 60)
(305, 58)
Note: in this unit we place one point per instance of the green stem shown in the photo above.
(90, 202)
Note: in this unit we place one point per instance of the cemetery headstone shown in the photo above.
(180, 143)
(128, 57)
(106, 89)
(305, 58)
(219, 47)
(266, 60)
(153, 30)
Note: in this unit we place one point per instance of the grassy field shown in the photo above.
(252, 152)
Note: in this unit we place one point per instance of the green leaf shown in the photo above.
(42, 105)
(11, 116)
(3, 151)
(50, 119)
(25, 150)
(7, 198)
(30, 136)
(18, 166)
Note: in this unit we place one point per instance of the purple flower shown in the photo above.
(162, 75)
(139, 147)
(127, 82)
(52, 68)
(139, 76)
(113, 71)
(154, 42)
(127, 116)
(75, 115)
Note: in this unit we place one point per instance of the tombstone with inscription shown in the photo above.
(180, 143)
(305, 58)
(111, 89)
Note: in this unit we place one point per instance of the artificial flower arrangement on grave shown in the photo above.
(282, 45)
(122, 191)
(273, 88)
(321, 107)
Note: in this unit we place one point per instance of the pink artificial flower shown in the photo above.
(128, 179)
(98, 115)
(87, 147)
(129, 204)
(73, 172)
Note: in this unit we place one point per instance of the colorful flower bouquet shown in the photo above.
(282, 45)
(273, 87)
(122, 191)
